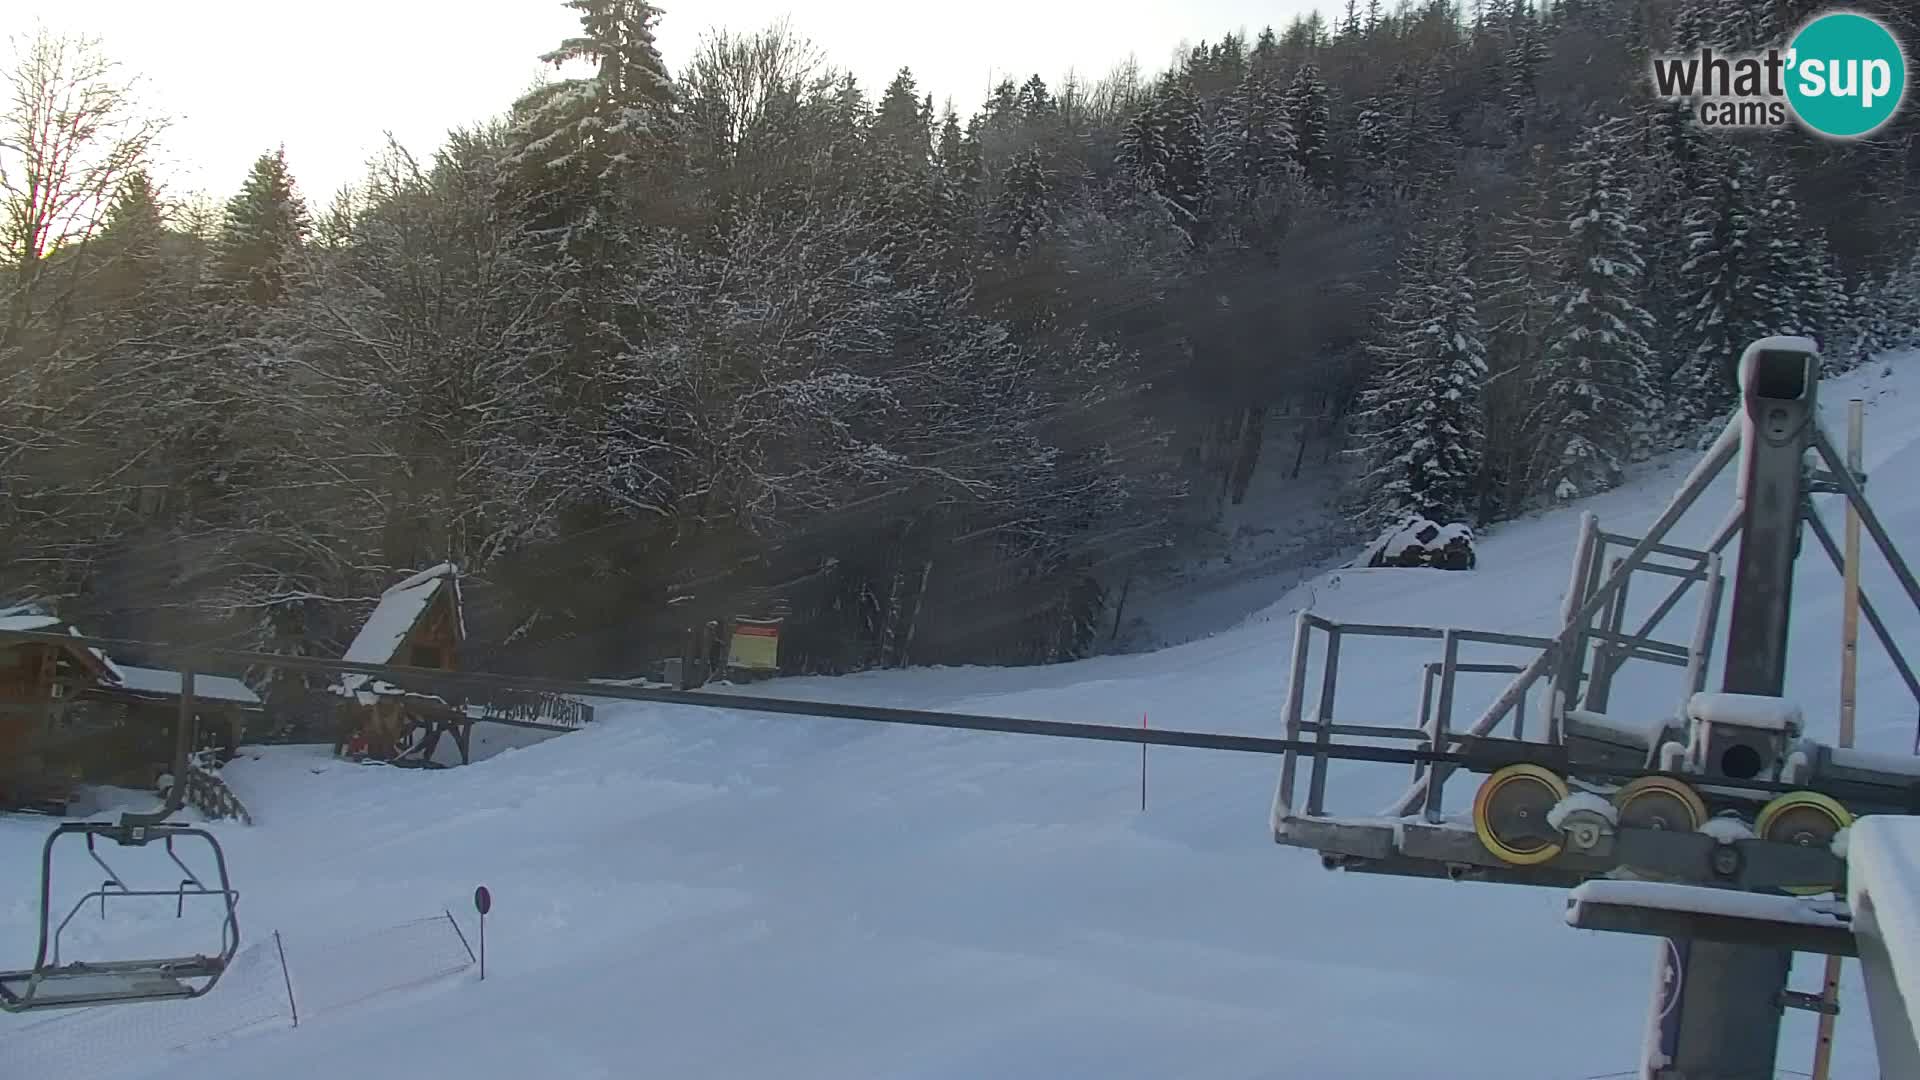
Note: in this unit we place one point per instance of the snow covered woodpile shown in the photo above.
(1418, 541)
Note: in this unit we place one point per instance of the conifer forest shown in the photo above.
(932, 381)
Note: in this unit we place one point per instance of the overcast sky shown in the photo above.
(328, 78)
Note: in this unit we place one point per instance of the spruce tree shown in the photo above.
(1307, 113)
(1382, 136)
(134, 221)
(1164, 149)
(1252, 147)
(1593, 392)
(1265, 57)
(948, 150)
(1676, 164)
(1025, 208)
(899, 125)
(1036, 103)
(1419, 424)
(1790, 274)
(574, 141)
(130, 236)
(1727, 305)
(1526, 54)
(1519, 286)
(262, 232)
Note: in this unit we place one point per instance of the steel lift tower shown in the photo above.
(1716, 826)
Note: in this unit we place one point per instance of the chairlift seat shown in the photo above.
(79, 984)
(50, 984)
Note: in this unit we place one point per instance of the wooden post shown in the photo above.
(1849, 674)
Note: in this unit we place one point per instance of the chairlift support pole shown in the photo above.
(1725, 1022)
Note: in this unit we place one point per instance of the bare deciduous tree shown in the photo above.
(70, 134)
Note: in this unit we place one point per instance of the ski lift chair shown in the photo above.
(50, 984)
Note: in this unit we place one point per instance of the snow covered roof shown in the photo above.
(395, 616)
(33, 617)
(143, 680)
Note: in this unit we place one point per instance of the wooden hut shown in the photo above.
(142, 709)
(42, 721)
(417, 623)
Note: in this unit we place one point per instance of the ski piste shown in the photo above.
(1643, 810)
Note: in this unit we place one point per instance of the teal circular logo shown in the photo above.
(1846, 75)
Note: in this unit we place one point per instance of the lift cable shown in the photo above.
(1477, 754)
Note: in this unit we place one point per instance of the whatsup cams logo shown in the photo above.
(1842, 75)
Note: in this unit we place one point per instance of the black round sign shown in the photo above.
(482, 900)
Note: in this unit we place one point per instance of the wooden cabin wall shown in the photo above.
(432, 642)
(26, 689)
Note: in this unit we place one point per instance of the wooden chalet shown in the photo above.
(70, 715)
(42, 686)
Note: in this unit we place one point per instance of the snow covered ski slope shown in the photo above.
(697, 893)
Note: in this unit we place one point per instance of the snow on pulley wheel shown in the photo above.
(1660, 802)
(1806, 818)
(1510, 814)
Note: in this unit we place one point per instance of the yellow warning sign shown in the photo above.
(756, 646)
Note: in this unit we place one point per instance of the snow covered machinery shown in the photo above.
(51, 984)
(1716, 825)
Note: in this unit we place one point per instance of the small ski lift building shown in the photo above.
(417, 623)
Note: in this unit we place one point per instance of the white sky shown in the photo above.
(326, 79)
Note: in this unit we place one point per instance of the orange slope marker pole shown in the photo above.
(1849, 675)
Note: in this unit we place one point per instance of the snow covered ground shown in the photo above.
(701, 893)
(1266, 545)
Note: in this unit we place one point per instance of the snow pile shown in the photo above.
(1585, 802)
(1746, 711)
(1702, 900)
(1420, 542)
(1728, 828)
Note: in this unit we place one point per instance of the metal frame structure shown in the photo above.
(1726, 974)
